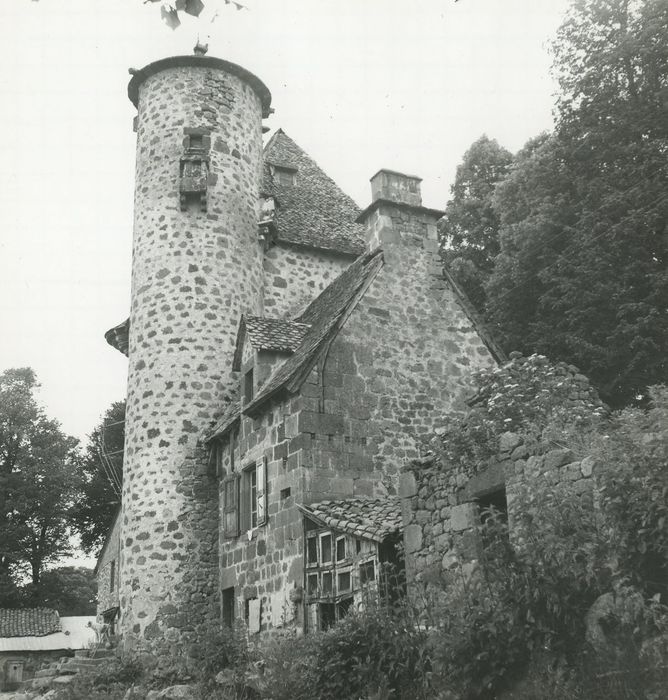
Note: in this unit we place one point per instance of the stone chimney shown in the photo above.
(396, 214)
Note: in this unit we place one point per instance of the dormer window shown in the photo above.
(285, 175)
(248, 386)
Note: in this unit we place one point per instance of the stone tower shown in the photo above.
(197, 266)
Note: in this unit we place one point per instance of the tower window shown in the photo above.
(228, 606)
(112, 576)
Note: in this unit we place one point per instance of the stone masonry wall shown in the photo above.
(106, 596)
(194, 274)
(403, 359)
(440, 511)
(294, 276)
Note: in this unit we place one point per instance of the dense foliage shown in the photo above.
(70, 590)
(579, 270)
(38, 485)
(469, 231)
(530, 396)
(102, 475)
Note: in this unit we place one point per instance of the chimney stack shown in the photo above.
(396, 214)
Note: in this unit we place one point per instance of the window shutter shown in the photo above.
(231, 506)
(261, 474)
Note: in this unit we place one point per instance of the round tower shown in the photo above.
(196, 267)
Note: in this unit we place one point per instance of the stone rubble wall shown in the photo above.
(441, 515)
(294, 276)
(194, 273)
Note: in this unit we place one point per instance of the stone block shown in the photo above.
(587, 466)
(413, 538)
(462, 517)
(508, 441)
(557, 458)
(491, 479)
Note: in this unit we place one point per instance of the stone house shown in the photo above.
(288, 353)
(32, 637)
(107, 576)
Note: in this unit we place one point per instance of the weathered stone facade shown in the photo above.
(294, 275)
(195, 271)
(231, 426)
(442, 505)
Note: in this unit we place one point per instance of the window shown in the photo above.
(248, 386)
(367, 572)
(312, 550)
(327, 615)
(340, 548)
(255, 487)
(231, 506)
(112, 576)
(284, 176)
(312, 585)
(228, 606)
(343, 583)
(325, 549)
(493, 502)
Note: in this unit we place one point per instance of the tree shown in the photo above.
(38, 481)
(582, 273)
(102, 473)
(70, 590)
(469, 231)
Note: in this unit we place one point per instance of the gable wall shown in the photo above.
(294, 276)
(403, 359)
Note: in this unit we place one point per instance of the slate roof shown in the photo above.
(230, 416)
(322, 314)
(313, 212)
(277, 334)
(28, 622)
(370, 518)
(119, 337)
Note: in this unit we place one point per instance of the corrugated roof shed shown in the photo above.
(370, 518)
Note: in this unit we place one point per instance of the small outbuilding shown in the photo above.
(31, 637)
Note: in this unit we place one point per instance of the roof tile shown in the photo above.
(28, 622)
(275, 334)
(372, 518)
(313, 212)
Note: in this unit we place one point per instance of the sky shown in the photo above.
(359, 84)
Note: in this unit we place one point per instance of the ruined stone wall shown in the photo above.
(107, 596)
(440, 510)
(294, 276)
(194, 273)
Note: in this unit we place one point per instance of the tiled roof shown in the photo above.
(323, 315)
(275, 333)
(313, 212)
(28, 622)
(370, 518)
(279, 335)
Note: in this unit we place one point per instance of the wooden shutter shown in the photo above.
(231, 506)
(261, 485)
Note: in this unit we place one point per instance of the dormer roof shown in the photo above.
(272, 334)
(324, 315)
(313, 212)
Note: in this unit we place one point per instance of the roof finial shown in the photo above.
(200, 48)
